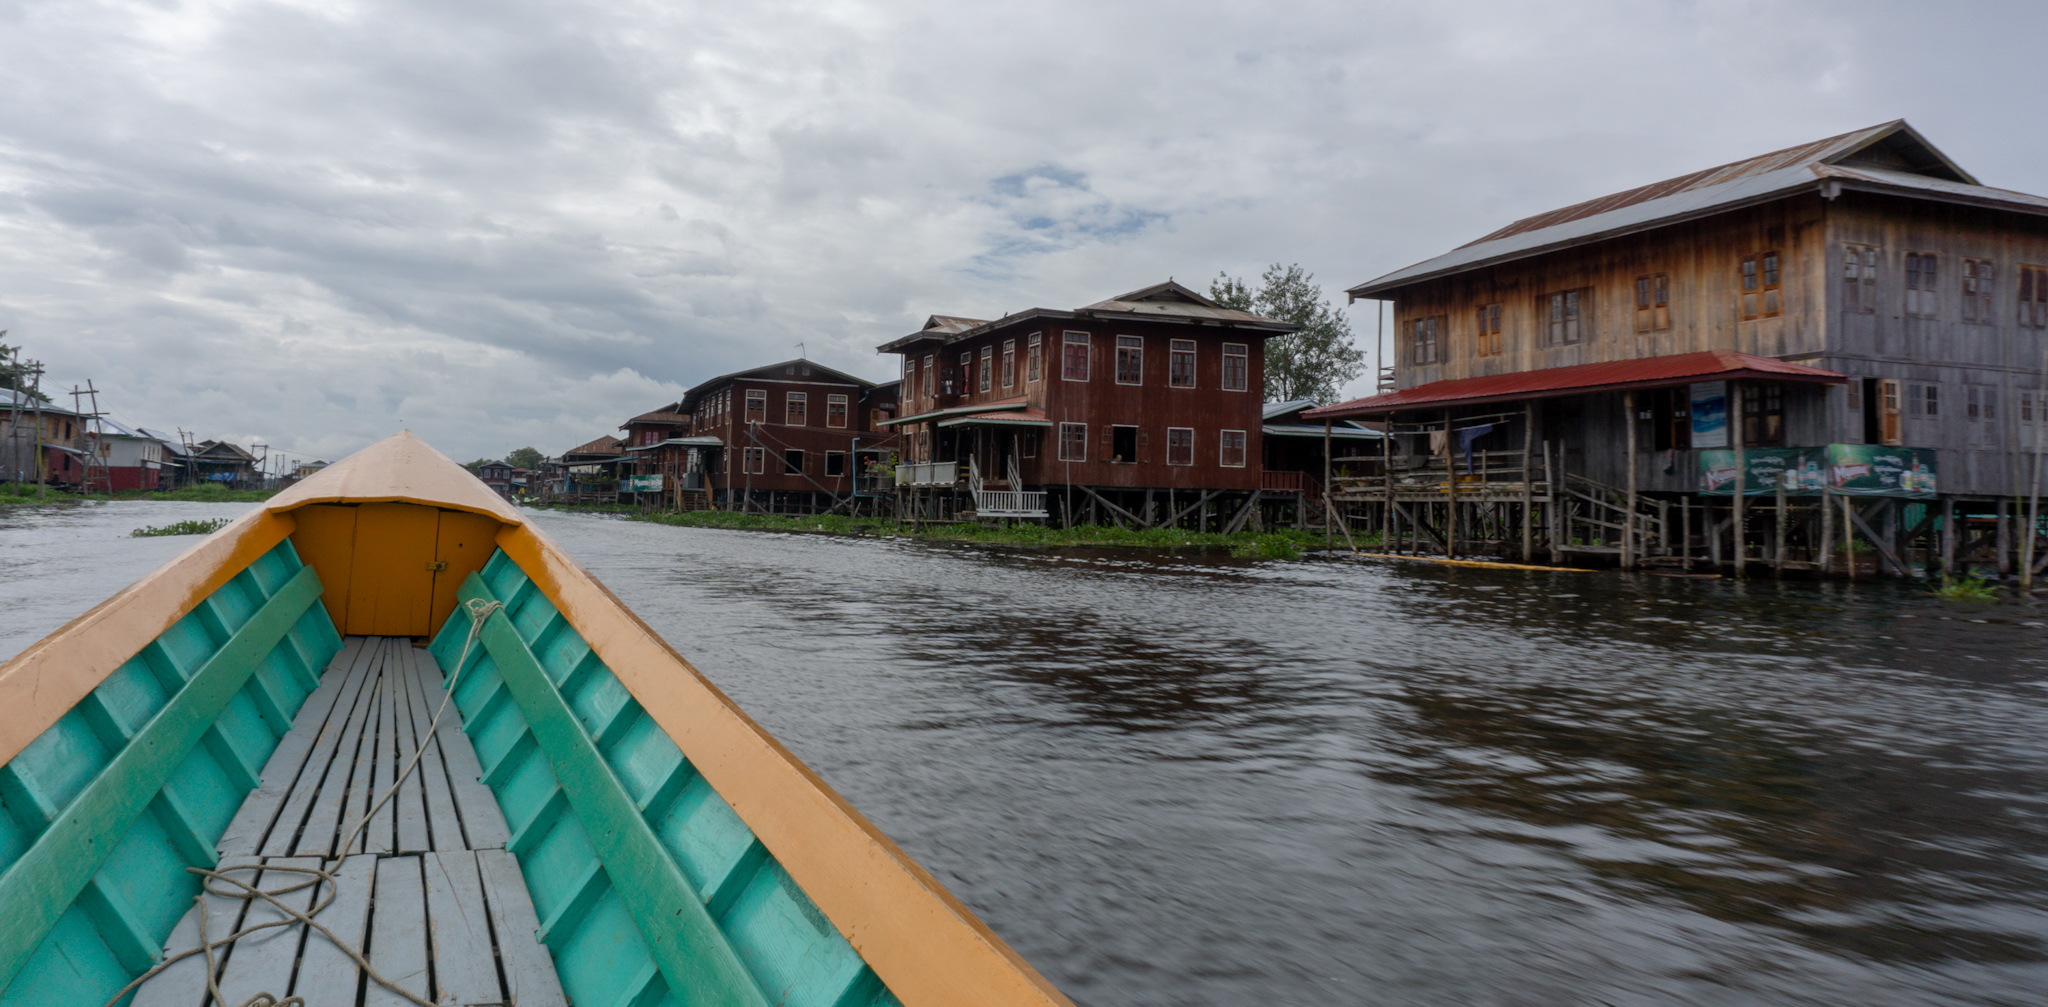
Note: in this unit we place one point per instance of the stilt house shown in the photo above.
(1144, 407)
(1744, 364)
(791, 437)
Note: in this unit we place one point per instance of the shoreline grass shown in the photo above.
(1287, 543)
(20, 495)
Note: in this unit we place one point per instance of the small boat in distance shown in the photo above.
(380, 740)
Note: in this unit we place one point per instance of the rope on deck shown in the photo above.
(479, 611)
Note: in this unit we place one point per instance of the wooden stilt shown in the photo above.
(1741, 477)
(1778, 534)
(1528, 491)
(1848, 536)
(1827, 534)
(1628, 520)
(1948, 536)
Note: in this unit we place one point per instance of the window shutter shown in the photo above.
(1889, 392)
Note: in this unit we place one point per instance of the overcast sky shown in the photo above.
(514, 222)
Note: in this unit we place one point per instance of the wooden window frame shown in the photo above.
(1073, 442)
(1116, 430)
(1223, 449)
(1859, 279)
(754, 462)
(1922, 285)
(1653, 303)
(1130, 360)
(1487, 341)
(1759, 283)
(1980, 291)
(1027, 444)
(1009, 364)
(1180, 363)
(1763, 415)
(840, 457)
(1565, 316)
(1034, 364)
(985, 377)
(966, 371)
(930, 378)
(796, 469)
(835, 412)
(2031, 293)
(1982, 404)
(1891, 427)
(796, 409)
(1184, 450)
(757, 405)
(1075, 366)
(1239, 377)
(1425, 340)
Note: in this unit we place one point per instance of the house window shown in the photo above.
(988, 354)
(924, 445)
(1237, 367)
(1130, 360)
(794, 408)
(1488, 343)
(1180, 445)
(835, 411)
(1921, 300)
(1230, 452)
(1855, 390)
(1982, 404)
(835, 463)
(1859, 279)
(1564, 316)
(1034, 367)
(1930, 400)
(1009, 363)
(1123, 445)
(1180, 365)
(2033, 313)
(1425, 337)
(1763, 416)
(1653, 302)
(909, 372)
(1074, 366)
(755, 462)
(1073, 442)
(757, 406)
(1979, 276)
(928, 375)
(1759, 276)
(1027, 444)
(966, 371)
(793, 462)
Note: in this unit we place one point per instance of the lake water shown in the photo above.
(1187, 779)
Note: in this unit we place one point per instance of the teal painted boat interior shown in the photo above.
(114, 929)
(790, 952)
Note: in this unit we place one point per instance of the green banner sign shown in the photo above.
(643, 484)
(1850, 469)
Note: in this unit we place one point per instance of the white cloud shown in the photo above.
(520, 222)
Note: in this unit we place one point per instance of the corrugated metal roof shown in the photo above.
(1029, 416)
(1554, 382)
(606, 445)
(1169, 301)
(1853, 160)
(1346, 432)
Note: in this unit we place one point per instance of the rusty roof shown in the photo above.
(1581, 379)
(1890, 157)
(606, 445)
(1029, 416)
(1167, 302)
(658, 416)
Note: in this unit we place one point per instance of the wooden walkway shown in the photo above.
(427, 888)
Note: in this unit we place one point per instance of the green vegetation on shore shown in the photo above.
(1279, 544)
(12, 494)
(203, 527)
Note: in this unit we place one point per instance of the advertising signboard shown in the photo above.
(1852, 469)
(1710, 414)
(1799, 468)
(1874, 470)
(644, 484)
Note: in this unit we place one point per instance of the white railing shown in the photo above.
(928, 474)
(1009, 503)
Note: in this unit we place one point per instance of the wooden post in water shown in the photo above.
(1528, 497)
(1778, 533)
(1848, 536)
(1329, 505)
(1741, 476)
(1450, 490)
(1827, 534)
(1948, 536)
(1628, 520)
(2004, 543)
(1685, 532)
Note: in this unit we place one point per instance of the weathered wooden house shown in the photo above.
(1144, 408)
(791, 437)
(654, 457)
(223, 462)
(1636, 374)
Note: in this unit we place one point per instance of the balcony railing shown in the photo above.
(928, 474)
(1282, 482)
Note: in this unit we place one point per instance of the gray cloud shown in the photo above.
(519, 222)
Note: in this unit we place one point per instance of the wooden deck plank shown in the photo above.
(344, 775)
(482, 821)
(444, 825)
(306, 789)
(398, 932)
(326, 975)
(530, 977)
(254, 819)
(183, 984)
(262, 962)
(413, 834)
(381, 837)
(465, 972)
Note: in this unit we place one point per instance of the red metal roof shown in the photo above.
(1554, 382)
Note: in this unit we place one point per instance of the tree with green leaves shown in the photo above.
(1311, 363)
(476, 468)
(13, 371)
(525, 458)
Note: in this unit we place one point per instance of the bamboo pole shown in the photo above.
(1393, 524)
(1329, 506)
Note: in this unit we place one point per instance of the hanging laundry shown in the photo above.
(1465, 438)
(1439, 440)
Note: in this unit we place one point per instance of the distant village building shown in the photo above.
(587, 473)
(1752, 361)
(35, 441)
(790, 437)
(498, 476)
(132, 459)
(222, 463)
(1145, 408)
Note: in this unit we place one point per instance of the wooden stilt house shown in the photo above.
(1751, 364)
